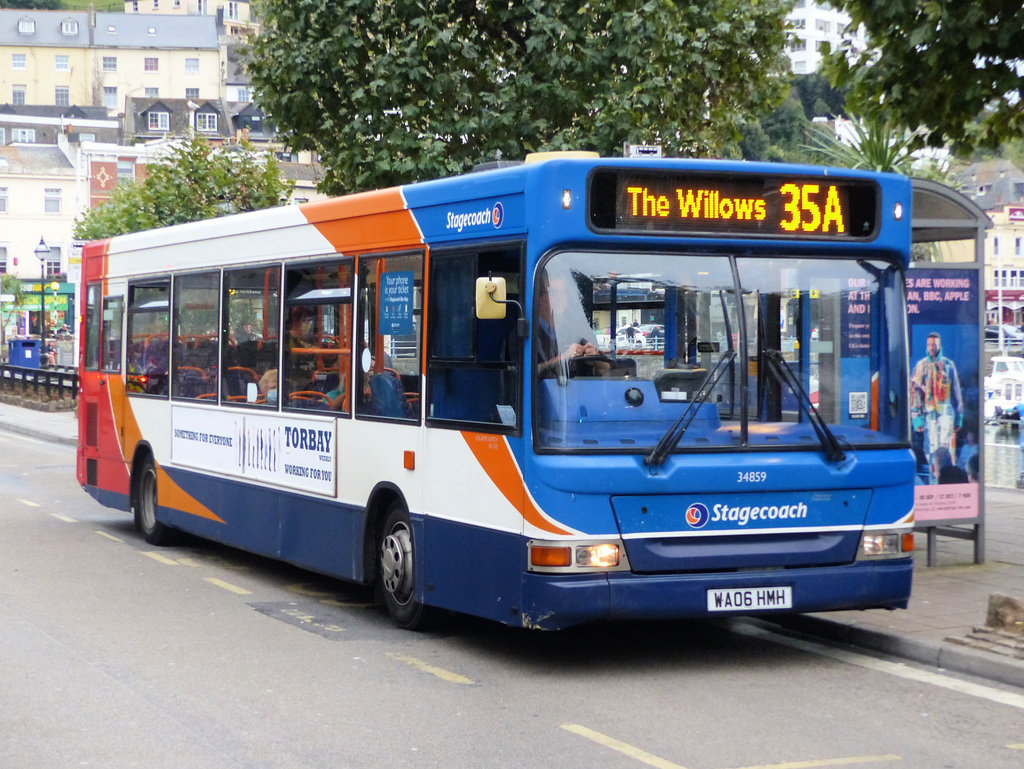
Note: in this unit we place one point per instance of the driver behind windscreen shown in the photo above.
(558, 298)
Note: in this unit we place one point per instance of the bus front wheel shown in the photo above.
(146, 505)
(396, 577)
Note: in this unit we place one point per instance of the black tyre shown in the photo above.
(396, 571)
(146, 522)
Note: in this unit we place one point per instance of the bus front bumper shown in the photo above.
(551, 602)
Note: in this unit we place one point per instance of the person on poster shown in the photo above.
(936, 403)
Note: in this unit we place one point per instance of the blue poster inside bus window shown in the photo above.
(396, 302)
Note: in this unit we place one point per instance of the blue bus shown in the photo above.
(430, 389)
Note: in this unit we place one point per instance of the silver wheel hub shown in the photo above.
(396, 563)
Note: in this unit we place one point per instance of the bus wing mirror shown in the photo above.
(490, 298)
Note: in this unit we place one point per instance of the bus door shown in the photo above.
(101, 418)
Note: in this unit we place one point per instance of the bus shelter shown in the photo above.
(945, 287)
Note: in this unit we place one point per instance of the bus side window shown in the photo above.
(389, 333)
(252, 312)
(473, 365)
(113, 316)
(196, 320)
(93, 319)
(149, 321)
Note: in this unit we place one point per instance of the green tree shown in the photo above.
(940, 65)
(391, 92)
(875, 146)
(195, 181)
(33, 5)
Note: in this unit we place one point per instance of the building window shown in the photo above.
(3, 258)
(110, 96)
(51, 201)
(191, 93)
(159, 121)
(26, 27)
(823, 26)
(18, 95)
(206, 121)
(62, 96)
(152, 93)
(135, 6)
(62, 63)
(203, 7)
(799, 67)
(796, 44)
(192, 66)
(233, 11)
(152, 64)
(18, 61)
(24, 135)
(110, 64)
(156, 5)
(3, 200)
(3, 137)
(125, 171)
(995, 245)
(69, 27)
(1017, 246)
(53, 261)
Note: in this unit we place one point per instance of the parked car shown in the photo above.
(1012, 335)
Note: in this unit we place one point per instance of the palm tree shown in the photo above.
(9, 286)
(876, 146)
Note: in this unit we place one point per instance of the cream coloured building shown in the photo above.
(44, 58)
(99, 59)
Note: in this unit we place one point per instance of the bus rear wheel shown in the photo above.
(396, 576)
(146, 522)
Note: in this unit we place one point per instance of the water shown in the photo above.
(1002, 455)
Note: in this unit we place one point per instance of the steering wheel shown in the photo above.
(586, 365)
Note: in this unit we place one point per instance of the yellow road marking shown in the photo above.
(188, 562)
(446, 675)
(29, 502)
(345, 604)
(160, 558)
(228, 586)
(1016, 746)
(829, 762)
(628, 750)
(64, 518)
(109, 536)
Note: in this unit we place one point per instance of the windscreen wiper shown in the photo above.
(777, 365)
(675, 433)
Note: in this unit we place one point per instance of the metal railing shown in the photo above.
(61, 381)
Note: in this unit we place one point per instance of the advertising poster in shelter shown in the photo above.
(942, 309)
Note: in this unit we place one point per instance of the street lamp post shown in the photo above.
(42, 251)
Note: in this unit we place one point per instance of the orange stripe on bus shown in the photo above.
(170, 493)
(364, 221)
(494, 456)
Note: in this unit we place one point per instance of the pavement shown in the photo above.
(944, 626)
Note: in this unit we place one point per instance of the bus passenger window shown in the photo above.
(113, 315)
(93, 319)
(317, 339)
(249, 342)
(196, 317)
(390, 326)
(473, 364)
(149, 323)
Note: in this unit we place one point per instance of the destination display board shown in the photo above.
(677, 203)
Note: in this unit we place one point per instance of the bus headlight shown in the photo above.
(886, 544)
(602, 556)
(576, 557)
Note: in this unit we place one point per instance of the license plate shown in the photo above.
(750, 599)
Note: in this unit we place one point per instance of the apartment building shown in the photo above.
(98, 59)
(811, 23)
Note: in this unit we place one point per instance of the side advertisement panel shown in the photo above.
(280, 449)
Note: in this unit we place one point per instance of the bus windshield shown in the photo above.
(718, 352)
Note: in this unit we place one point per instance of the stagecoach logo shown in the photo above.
(697, 515)
(495, 215)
